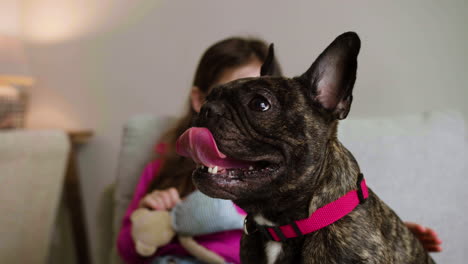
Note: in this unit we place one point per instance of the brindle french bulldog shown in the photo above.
(270, 145)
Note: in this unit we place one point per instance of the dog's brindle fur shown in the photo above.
(298, 134)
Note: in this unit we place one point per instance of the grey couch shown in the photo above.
(416, 163)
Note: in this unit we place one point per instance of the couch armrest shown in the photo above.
(32, 169)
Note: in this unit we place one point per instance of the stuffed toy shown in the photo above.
(198, 214)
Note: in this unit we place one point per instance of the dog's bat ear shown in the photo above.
(332, 75)
(270, 67)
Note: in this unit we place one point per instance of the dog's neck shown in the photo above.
(334, 177)
(337, 176)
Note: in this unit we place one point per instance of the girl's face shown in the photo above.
(251, 69)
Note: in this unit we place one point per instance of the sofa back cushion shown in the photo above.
(417, 164)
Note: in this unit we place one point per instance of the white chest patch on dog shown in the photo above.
(272, 248)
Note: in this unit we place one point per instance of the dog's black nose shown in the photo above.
(211, 112)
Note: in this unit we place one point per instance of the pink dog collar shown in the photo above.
(321, 218)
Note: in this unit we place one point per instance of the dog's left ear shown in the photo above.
(331, 77)
(269, 66)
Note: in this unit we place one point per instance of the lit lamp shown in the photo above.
(13, 77)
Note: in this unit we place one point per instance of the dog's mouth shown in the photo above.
(253, 170)
(218, 175)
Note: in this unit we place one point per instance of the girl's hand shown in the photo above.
(160, 199)
(429, 239)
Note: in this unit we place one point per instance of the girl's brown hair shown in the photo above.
(176, 171)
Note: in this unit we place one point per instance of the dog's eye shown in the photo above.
(259, 104)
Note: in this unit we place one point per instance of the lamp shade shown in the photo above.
(13, 61)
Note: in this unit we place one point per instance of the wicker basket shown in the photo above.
(12, 107)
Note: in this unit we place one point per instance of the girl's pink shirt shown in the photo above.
(226, 244)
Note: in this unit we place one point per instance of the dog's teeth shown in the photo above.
(213, 170)
(250, 168)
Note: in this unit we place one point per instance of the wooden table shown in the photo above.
(73, 197)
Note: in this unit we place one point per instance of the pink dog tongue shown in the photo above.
(198, 144)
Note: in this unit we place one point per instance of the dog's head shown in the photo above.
(266, 135)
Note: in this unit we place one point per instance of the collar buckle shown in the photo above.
(360, 192)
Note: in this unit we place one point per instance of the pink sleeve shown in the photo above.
(125, 244)
(240, 211)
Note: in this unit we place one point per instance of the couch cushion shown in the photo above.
(139, 137)
(417, 165)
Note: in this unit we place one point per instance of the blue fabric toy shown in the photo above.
(199, 214)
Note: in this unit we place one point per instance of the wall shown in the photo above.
(10, 13)
(100, 62)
